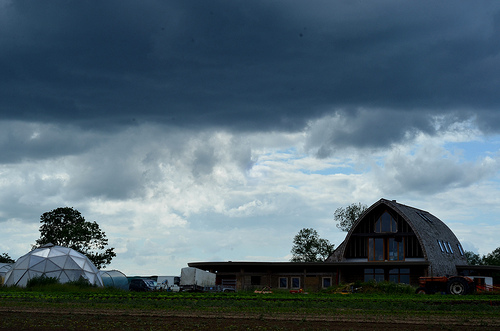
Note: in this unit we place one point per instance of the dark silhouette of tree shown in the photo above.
(309, 247)
(348, 215)
(5, 258)
(492, 258)
(473, 258)
(66, 227)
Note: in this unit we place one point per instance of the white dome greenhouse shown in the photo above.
(4, 268)
(63, 263)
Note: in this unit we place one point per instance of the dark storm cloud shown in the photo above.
(370, 128)
(256, 65)
(21, 141)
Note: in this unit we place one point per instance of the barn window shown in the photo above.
(441, 246)
(386, 223)
(327, 282)
(382, 249)
(425, 217)
(376, 249)
(295, 282)
(396, 249)
(283, 282)
(374, 274)
(446, 247)
(399, 275)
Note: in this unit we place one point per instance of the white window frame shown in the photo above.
(291, 282)
(323, 282)
(279, 282)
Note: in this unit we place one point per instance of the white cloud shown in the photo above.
(167, 197)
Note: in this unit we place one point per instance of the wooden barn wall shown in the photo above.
(253, 281)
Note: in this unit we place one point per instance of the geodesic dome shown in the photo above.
(4, 268)
(114, 278)
(63, 263)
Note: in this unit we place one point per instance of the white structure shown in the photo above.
(4, 268)
(196, 279)
(63, 263)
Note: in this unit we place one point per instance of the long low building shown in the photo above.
(389, 242)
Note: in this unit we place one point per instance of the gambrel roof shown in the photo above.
(439, 245)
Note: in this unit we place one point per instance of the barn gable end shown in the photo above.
(389, 242)
(415, 235)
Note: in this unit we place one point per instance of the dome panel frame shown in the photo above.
(61, 262)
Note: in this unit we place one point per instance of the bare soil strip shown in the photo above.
(28, 318)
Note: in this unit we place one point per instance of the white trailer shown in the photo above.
(194, 279)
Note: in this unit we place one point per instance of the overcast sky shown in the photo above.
(216, 130)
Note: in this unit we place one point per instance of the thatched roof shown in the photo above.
(439, 244)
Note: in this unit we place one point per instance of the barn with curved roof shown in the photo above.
(390, 241)
(393, 241)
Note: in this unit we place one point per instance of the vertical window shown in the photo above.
(425, 217)
(295, 282)
(441, 246)
(283, 282)
(460, 249)
(446, 247)
(327, 282)
(400, 275)
(396, 249)
(449, 246)
(376, 249)
(386, 223)
(374, 274)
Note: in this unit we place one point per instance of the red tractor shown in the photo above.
(458, 285)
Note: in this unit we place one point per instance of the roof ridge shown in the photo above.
(402, 204)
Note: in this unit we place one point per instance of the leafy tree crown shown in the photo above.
(67, 227)
(492, 258)
(5, 258)
(346, 217)
(309, 247)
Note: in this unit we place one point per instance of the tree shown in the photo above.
(473, 258)
(492, 258)
(66, 227)
(348, 215)
(309, 247)
(5, 258)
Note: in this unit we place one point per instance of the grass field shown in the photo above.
(60, 307)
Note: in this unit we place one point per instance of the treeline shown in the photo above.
(492, 258)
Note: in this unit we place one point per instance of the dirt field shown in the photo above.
(20, 318)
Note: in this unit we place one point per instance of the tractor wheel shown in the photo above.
(421, 290)
(457, 286)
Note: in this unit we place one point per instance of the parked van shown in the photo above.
(142, 285)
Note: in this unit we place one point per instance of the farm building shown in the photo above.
(389, 242)
(50, 260)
